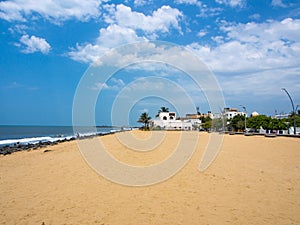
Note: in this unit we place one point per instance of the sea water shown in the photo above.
(10, 135)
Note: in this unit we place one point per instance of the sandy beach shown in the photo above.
(253, 180)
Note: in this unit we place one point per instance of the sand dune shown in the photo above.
(254, 180)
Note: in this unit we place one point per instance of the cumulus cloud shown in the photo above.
(34, 44)
(161, 20)
(253, 46)
(124, 26)
(53, 10)
(112, 36)
(260, 56)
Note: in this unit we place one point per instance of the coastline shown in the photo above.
(254, 180)
(11, 145)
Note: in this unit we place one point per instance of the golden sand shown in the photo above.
(254, 180)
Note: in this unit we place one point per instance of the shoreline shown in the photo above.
(9, 149)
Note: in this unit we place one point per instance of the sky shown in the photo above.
(251, 47)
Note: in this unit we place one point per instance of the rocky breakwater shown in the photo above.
(8, 149)
(16, 147)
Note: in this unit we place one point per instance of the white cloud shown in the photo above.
(87, 53)
(255, 16)
(218, 39)
(18, 28)
(255, 58)
(115, 35)
(232, 3)
(112, 36)
(254, 46)
(206, 11)
(112, 84)
(161, 20)
(201, 33)
(188, 2)
(278, 3)
(265, 84)
(117, 82)
(34, 44)
(140, 2)
(53, 10)
(123, 28)
(98, 86)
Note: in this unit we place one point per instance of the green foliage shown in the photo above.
(207, 125)
(206, 122)
(237, 123)
(162, 109)
(256, 122)
(145, 119)
(290, 120)
(205, 119)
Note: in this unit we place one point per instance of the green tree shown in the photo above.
(258, 121)
(206, 122)
(162, 109)
(237, 123)
(267, 123)
(291, 120)
(205, 119)
(207, 125)
(145, 119)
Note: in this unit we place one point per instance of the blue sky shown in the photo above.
(252, 47)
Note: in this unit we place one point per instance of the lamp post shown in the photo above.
(296, 108)
(245, 117)
(293, 107)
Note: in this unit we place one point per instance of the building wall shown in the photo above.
(167, 120)
(231, 114)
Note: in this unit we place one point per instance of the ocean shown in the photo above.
(10, 135)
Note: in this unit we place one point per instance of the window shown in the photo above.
(164, 118)
(171, 117)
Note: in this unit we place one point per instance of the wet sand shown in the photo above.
(253, 180)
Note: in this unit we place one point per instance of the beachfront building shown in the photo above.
(168, 121)
(229, 113)
(281, 116)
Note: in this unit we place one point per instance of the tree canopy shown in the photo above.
(257, 122)
(145, 119)
(162, 109)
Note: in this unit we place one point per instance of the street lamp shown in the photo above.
(245, 117)
(293, 107)
(296, 108)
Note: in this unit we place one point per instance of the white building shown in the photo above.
(281, 116)
(229, 113)
(168, 121)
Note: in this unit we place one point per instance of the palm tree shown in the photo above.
(162, 109)
(145, 119)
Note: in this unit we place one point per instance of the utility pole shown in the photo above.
(293, 107)
(245, 117)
